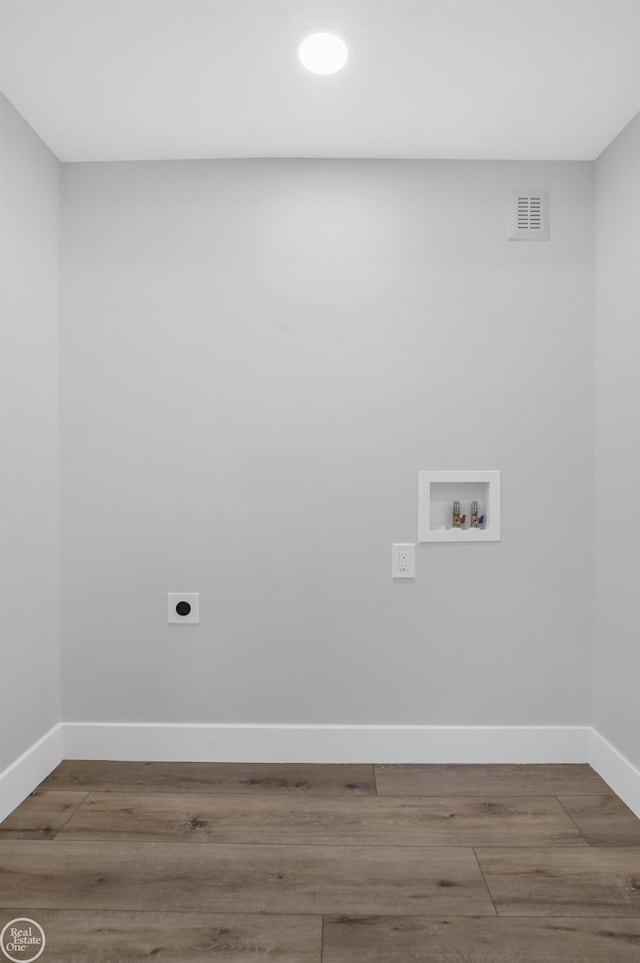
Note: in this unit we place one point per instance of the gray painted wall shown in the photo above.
(257, 358)
(617, 649)
(30, 202)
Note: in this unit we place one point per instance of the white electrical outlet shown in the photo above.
(183, 608)
(403, 560)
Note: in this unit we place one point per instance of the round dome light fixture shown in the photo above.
(323, 53)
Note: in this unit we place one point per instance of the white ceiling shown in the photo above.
(137, 79)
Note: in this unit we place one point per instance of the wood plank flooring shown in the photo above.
(364, 821)
(183, 862)
(218, 778)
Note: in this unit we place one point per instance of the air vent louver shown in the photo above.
(530, 216)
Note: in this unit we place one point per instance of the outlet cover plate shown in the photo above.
(403, 560)
(193, 598)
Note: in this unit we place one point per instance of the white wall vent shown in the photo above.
(529, 216)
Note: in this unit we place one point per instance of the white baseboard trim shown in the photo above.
(28, 770)
(245, 742)
(618, 772)
(326, 744)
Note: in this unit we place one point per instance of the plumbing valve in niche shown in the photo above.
(477, 521)
(459, 520)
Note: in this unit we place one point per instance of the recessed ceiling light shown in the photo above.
(323, 53)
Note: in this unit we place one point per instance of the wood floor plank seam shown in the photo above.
(572, 820)
(313, 845)
(408, 847)
(272, 914)
(460, 916)
(495, 909)
(208, 912)
(323, 916)
(10, 911)
(71, 814)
